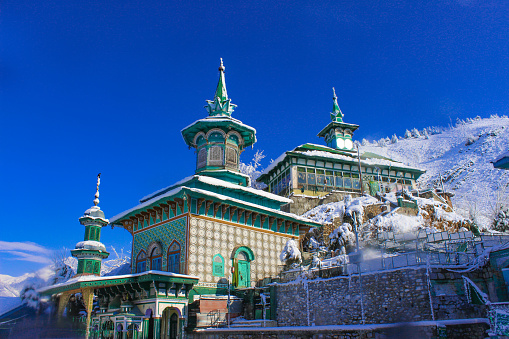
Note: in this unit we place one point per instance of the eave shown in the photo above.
(334, 124)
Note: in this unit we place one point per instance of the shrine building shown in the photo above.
(318, 170)
(188, 239)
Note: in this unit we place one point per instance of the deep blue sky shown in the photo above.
(106, 86)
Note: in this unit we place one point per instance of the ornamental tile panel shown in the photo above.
(164, 234)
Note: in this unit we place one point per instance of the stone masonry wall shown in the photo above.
(387, 297)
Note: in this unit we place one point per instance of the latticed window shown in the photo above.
(141, 262)
(218, 266)
(174, 257)
(216, 156)
(202, 158)
(231, 157)
(155, 259)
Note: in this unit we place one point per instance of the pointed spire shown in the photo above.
(96, 200)
(221, 105)
(336, 114)
(221, 84)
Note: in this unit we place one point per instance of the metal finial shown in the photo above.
(221, 68)
(334, 91)
(96, 200)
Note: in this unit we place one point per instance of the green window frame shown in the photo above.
(218, 265)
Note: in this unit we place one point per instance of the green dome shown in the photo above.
(94, 212)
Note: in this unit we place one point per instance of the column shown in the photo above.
(88, 300)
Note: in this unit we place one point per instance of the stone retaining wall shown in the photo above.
(387, 297)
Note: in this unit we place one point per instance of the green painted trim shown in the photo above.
(246, 249)
(106, 281)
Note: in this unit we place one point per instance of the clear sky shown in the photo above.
(106, 86)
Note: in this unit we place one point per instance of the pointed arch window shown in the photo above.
(156, 258)
(141, 262)
(218, 266)
(174, 257)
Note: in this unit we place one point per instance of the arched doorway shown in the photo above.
(120, 332)
(150, 329)
(170, 323)
(242, 257)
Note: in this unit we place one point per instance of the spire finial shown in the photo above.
(336, 114)
(221, 105)
(96, 200)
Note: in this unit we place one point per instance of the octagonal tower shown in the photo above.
(219, 139)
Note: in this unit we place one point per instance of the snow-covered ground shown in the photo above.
(462, 155)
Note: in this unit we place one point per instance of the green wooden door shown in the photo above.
(244, 270)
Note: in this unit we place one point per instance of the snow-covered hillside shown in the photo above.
(462, 155)
(11, 287)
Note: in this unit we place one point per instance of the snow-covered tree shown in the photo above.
(30, 297)
(394, 139)
(254, 169)
(501, 221)
(342, 238)
(381, 142)
(425, 133)
(291, 253)
(63, 271)
(408, 134)
(415, 133)
(459, 122)
(364, 142)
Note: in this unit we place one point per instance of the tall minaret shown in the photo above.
(91, 251)
(338, 134)
(219, 139)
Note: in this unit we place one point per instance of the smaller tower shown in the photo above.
(91, 251)
(338, 134)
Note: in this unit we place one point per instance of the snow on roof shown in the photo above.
(268, 209)
(146, 203)
(85, 278)
(180, 182)
(326, 154)
(226, 184)
(221, 183)
(274, 164)
(220, 119)
(216, 182)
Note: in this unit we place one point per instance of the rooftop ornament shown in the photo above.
(96, 200)
(221, 105)
(336, 114)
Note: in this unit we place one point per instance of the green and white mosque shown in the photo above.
(189, 239)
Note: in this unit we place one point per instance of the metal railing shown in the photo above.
(411, 259)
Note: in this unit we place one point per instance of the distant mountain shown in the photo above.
(11, 287)
(462, 155)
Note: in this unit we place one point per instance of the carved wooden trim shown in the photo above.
(216, 208)
(232, 211)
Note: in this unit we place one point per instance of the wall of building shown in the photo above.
(164, 233)
(208, 237)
